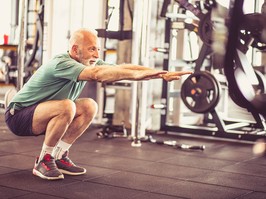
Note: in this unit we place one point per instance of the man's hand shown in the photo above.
(169, 76)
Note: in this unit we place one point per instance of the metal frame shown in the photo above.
(215, 127)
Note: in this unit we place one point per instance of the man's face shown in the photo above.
(89, 52)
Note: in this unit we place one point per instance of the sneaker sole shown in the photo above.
(71, 173)
(37, 173)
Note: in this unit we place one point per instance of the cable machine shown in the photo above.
(205, 91)
(23, 55)
(30, 40)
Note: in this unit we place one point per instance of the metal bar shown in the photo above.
(136, 44)
(21, 47)
(229, 134)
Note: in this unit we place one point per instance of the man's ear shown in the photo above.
(75, 49)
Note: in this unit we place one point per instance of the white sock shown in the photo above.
(60, 149)
(45, 150)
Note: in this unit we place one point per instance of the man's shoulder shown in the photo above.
(62, 56)
(63, 61)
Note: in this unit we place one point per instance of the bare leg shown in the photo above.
(63, 121)
(86, 110)
(61, 116)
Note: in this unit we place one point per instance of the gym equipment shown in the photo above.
(29, 56)
(201, 92)
(173, 143)
(8, 97)
(203, 13)
(9, 58)
(113, 132)
(195, 94)
(246, 86)
(123, 35)
(139, 89)
(196, 97)
(260, 88)
(239, 26)
(140, 30)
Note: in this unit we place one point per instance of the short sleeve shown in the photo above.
(69, 69)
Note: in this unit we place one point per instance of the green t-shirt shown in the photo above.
(56, 80)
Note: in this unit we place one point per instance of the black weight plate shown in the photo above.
(200, 92)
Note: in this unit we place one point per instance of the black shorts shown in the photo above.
(20, 121)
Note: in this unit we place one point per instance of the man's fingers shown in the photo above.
(184, 72)
(176, 75)
(152, 74)
(166, 75)
(156, 75)
(171, 78)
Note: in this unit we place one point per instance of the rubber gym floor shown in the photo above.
(226, 169)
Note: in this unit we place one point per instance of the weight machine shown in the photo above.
(22, 59)
(31, 40)
(248, 32)
(31, 44)
(123, 34)
(201, 92)
(139, 92)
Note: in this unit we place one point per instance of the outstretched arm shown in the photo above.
(106, 73)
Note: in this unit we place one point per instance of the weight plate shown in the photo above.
(200, 92)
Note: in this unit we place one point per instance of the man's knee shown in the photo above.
(88, 107)
(68, 109)
(92, 106)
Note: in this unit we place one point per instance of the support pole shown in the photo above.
(145, 60)
(22, 41)
(140, 55)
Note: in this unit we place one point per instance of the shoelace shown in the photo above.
(49, 161)
(67, 160)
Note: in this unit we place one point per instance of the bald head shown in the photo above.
(81, 36)
(84, 46)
